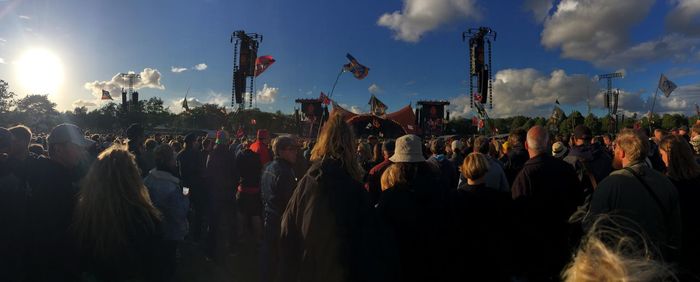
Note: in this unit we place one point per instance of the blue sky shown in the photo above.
(545, 50)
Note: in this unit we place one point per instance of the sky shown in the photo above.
(545, 50)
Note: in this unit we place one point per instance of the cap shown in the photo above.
(134, 130)
(582, 132)
(559, 150)
(408, 150)
(68, 133)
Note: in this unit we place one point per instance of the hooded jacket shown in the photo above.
(166, 195)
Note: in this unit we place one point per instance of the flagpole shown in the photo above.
(330, 95)
(651, 116)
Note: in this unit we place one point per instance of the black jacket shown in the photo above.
(250, 168)
(689, 195)
(221, 175)
(513, 162)
(191, 165)
(323, 226)
(546, 192)
(277, 184)
(589, 159)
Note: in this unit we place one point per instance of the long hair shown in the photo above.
(337, 142)
(682, 164)
(112, 200)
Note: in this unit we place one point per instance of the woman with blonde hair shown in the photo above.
(327, 213)
(116, 226)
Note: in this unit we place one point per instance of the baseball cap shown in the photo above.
(68, 133)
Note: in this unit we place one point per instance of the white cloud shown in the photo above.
(266, 95)
(25, 17)
(2, 61)
(352, 108)
(684, 17)
(420, 16)
(591, 30)
(374, 89)
(84, 103)
(177, 69)
(534, 92)
(675, 46)
(539, 8)
(150, 78)
(200, 67)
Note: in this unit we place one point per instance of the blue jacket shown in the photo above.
(277, 184)
(166, 195)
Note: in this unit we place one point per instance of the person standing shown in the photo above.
(449, 175)
(136, 146)
(588, 159)
(373, 184)
(251, 162)
(53, 183)
(116, 227)
(684, 173)
(546, 193)
(277, 184)
(322, 227)
(495, 176)
(167, 196)
(644, 197)
(191, 165)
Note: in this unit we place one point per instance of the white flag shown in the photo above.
(666, 86)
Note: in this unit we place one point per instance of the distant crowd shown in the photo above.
(535, 206)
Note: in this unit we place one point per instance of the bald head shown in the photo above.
(537, 138)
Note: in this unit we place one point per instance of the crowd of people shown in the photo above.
(532, 207)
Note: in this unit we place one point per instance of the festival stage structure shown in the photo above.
(480, 71)
(245, 53)
(611, 101)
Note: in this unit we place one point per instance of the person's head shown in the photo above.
(474, 168)
(362, 152)
(408, 149)
(264, 136)
(67, 145)
(175, 145)
(607, 140)
(582, 135)
(457, 146)
(191, 141)
(21, 136)
(37, 149)
(537, 141)
(388, 147)
(608, 254)
(695, 131)
(372, 139)
(377, 155)
(112, 200)
(151, 144)
(482, 145)
(164, 157)
(679, 158)
(559, 151)
(516, 138)
(659, 133)
(285, 147)
(336, 142)
(135, 133)
(437, 146)
(683, 130)
(630, 147)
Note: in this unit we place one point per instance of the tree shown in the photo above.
(593, 123)
(6, 97)
(37, 112)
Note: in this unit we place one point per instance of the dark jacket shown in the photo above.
(449, 177)
(546, 192)
(589, 158)
(373, 184)
(480, 233)
(277, 184)
(689, 196)
(513, 162)
(222, 176)
(622, 194)
(166, 194)
(416, 215)
(50, 248)
(250, 168)
(323, 225)
(191, 165)
(12, 219)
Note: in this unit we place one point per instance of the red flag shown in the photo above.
(324, 99)
(262, 63)
(105, 95)
(481, 123)
(475, 121)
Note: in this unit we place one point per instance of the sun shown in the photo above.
(40, 71)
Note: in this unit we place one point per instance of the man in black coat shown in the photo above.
(222, 178)
(191, 165)
(516, 156)
(546, 192)
(54, 183)
(590, 161)
(277, 184)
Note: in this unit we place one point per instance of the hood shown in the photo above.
(587, 152)
(163, 175)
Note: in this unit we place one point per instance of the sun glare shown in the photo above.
(40, 71)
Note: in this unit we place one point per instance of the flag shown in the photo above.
(324, 99)
(557, 101)
(253, 122)
(377, 107)
(105, 95)
(262, 63)
(666, 86)
(358, 70)
(184, 104)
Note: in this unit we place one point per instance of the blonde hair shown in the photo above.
(607, 255)
(391, 177)
(337, 142)
(112, 199)
(475, 166)
(633, 144)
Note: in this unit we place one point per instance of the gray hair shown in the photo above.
(282, 142)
